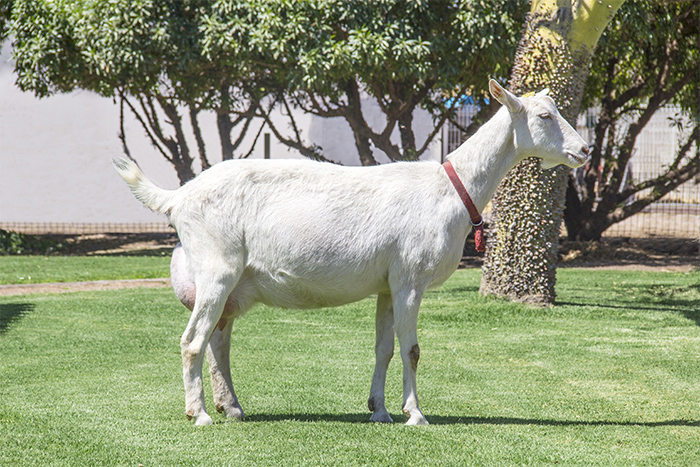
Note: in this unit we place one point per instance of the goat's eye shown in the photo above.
(546, 116)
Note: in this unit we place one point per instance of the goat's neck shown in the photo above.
(485, 158)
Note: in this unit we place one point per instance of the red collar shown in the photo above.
(475, 217)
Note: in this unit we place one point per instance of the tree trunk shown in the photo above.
(523, 239)
(408, 138)
(573, 211)
(178, 147)
(225, 125)
(357, 122)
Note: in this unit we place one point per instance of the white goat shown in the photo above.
(303, 234)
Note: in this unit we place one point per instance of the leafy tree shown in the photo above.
(555, 51)
(167, 62)
(325, 56)
(146, 53)
(648, 57)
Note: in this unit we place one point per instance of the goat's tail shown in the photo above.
(154, 198)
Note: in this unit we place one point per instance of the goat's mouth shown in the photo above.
(580, 159)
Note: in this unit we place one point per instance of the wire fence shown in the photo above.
(676, 215)
(78, 228)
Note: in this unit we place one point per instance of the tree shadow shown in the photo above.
(13, 312)
(454, 289)
(690, 309)
(452, 420)
(363, 418)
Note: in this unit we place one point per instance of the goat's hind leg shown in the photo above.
(218, 350)
(218, 356)
(213, 289)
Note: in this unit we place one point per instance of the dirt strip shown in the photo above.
(63, 287)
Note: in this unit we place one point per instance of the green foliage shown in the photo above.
(323, 43)
(14, 243)
(5, 12)
(102, 46)
(147, 53)
(649, 45)
(608, 377)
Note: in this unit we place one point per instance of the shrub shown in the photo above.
(14, 243)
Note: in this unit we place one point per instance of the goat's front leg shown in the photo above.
(384, 351)
(406, 304)
(208, 308)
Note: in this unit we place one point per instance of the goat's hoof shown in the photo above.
(416, 418)
(381, 417)
(203, 420)
(199, 420)
(234, 412)
(417, 421)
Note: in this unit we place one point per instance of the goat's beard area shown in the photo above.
(577, 159)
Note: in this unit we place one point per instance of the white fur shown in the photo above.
(303, 234)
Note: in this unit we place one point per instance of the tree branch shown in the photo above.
(312, 152)
(146, 126)
(255, 141)
(441, 121)
(669, 178)
(198, 136)
(661, 186)
(122, 133)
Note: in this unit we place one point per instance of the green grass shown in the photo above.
(610, 376)
(37, 269)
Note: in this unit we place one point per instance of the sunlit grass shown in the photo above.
(610, 376)
(38, 269)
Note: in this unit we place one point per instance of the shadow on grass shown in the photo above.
(164, 251)
(688, 308)
(13, 312)
(311, 417)
(460, 289)
(452, 420)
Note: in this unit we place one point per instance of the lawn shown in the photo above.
(37, 269)
(609, 376)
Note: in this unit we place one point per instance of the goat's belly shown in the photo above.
(285, 290)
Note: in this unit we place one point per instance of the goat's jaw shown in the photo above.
(571, 160)
(576, 160)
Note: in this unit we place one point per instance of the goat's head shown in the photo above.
(540, 131)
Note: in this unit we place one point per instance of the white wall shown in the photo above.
(55, 154)
(55, 158)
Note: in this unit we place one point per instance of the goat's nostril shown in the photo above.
(585, 149)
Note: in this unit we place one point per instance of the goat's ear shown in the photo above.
(505, 97)
(544, 92)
